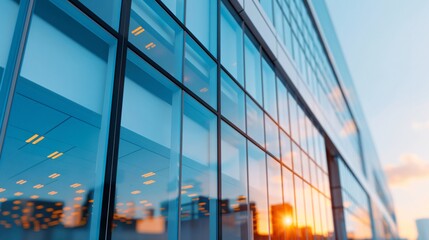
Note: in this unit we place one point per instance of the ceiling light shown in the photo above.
(149, 174)
(38, 140)
(137, 31)
(2, 189)
(52, 154)
(187, 187)
(75, 185)
(57, 156)
(135, 192)
(31, 138)
(18, 194)
(52, 193)
(20, 182)
(54, 175)
(38, 186)
(34, 197)
(203, 90)
(149, 182)
(150, 45)
(193, 195)
(80, 191)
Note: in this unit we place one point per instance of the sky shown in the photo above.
(386, 46)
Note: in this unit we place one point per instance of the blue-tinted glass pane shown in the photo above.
(52, 161)
(8, 16)
(289, 204)
(286, 149)
(270, 92)
(200, 73)
(272, 137)
(232, 101)
(296, 157)
(278, 211)
(293, 110)
(199, 173)
(176, 7)
(302, 129)
(282, 95)
(255, 121)
(157, 35)
(267, 5)
(201, 19)
(258, 198)
(231, 44)
(234, 202)
(278, 20)
(147, 186)
(108, 10)
(253, 69)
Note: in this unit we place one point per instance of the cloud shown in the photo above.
(420, 125)
(410, 167)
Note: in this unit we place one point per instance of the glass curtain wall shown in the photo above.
(211, 141)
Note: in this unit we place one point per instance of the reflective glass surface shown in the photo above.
(8, 18)
(253, 69)
(199, 173)
(272, 137)
(289, 218)
(157, 35)
(233, 105)
(201, 19)
(255, 121)
(270, 90)
(176, 7)
(286, 149)
(258, 200)
(278, 211)
(147, 185)
(52, 161)
(282, 96)
(200, 72)
(108, 10)
(231, 41)
(234, 200)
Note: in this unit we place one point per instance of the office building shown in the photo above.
(174, 119)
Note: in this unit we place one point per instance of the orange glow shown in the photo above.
(287, 220)
(38, 140)
(31, 138)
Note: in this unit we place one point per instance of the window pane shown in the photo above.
(283, 105)
(147, 188)
(201, 19)
(300, 208)
(267, 5)
(255, 121)
(289, 204)
(200, 73)
(253, 69)
(231, 44)
(309, 230)
(258, 191)
(296, 156)
(286, 149)
(232, 101)
(176, 7)
(52, 161)
(108, 10)
(157, 35)
(234, 205)
(305, 167)
(9, 9)
(272, 137)
(275, 199)
(294, 127)
(270, 92)
(199, 173)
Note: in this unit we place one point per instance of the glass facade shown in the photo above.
(156, 120)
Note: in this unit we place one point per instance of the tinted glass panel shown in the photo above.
(286, 149)
(253, 69)
(231, 44)
(176, 7)
(52, 161)
(272, 137)
(270, 92)
(289, 219)
(255, 121)
(199, 173)
(234, 205)
(283, 105)
(201, 19)
(147, 186)
(232, 101)
(157, 35)
(258, 198)
(278, 214)
(300, 209)
(108, 10)
(200, 72)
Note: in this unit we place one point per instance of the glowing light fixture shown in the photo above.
(135, 192)
(18, 194)
(3, 199)
(52, 193)
(2, 189)
(31, 138)
(34, 197)
(58, 155)
(149, 174)
(80, 191)
(149, 182)
(54, 175)
(38, 140)
(137, 31)
(20, 182)
(143, 201)
(187, 187)
(52, 154)
(150, 45)
(75, 185)
(203, 90)
(193, 195)
(38, 186)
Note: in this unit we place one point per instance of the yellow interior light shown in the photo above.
(149, 182)
(20, 182)
(34, 197)
(135, 192)
(52, 154)
(38, 186)
(75, 185)
(80, 191)
(38, 140)
(2, 189)
(149, 174)
(52, 193)
(54, 175)
(31, 138)
(187, 187)
(18, 194)
(57, 156)
(3, 199)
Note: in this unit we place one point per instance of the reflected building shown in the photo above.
(168, 119)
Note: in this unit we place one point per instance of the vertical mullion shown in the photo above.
(109, 186)
(14, 62)
(219, 122)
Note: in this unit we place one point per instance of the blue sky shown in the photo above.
(386, 45)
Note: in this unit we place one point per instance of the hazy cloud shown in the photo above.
(410, 167)
(421, 125)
